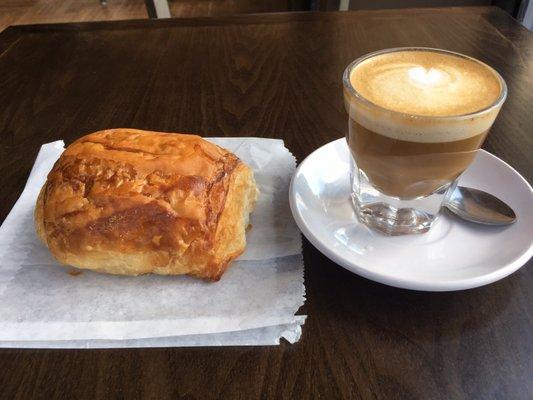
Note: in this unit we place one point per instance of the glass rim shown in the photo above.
(348, 85)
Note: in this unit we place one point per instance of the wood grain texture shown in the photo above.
(272, 76)
(210, 8)
(382, 4)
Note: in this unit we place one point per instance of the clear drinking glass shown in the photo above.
(398, 180)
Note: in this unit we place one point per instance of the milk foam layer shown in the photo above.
(424, 84)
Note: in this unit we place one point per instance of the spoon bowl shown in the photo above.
(480, 207)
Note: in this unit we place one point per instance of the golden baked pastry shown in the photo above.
(129, 202)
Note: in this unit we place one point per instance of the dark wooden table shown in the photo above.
(276, 75)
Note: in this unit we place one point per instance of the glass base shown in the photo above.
(393, 221)
(392, 215)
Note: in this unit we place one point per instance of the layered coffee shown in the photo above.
(417, 118)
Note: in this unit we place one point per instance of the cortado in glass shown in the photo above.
(417, 116)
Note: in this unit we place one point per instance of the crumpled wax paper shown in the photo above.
(254, 303)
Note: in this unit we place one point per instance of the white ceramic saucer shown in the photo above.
(453, 255)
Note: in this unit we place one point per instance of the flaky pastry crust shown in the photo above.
(130, 202)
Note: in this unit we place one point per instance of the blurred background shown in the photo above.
(17, 12)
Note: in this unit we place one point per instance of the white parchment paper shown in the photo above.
(42, 305)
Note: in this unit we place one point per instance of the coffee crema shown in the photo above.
(426, 83)
(397, 133)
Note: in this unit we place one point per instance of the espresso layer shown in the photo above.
(409, 170)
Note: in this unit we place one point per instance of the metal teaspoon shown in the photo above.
(480, 207)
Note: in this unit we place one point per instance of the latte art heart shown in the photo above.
(428, 77)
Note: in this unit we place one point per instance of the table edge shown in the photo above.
(244, 19)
